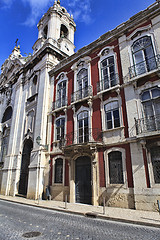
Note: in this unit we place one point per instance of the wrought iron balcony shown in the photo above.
(59, 103)
(107, 83)
(148, 124)
(143, 67)
(81, 94)
(89, 135)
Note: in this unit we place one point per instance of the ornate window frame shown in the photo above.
(105, 53)
(78, 66)
(82, 109)
(106, 157)
(137, 34)
(138, 91)
(62, 77)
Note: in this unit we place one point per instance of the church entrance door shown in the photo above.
(83, 180)
(23, 183)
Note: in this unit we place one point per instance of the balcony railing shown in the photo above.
(108, 83)
(143, 67)
(148, 124)
(59, 103)
(90, 135)
(81, 94)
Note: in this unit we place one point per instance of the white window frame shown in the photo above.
(118, 99)
(105, 53)
(139, 91)
(55, 127)
(61, 78)
(82, 109)
(106, 154)
(53, 171)
(76, 67)
(142, 34)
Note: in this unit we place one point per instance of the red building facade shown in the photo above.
(105, 124)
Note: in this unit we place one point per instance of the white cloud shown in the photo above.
(81, 9)
(38, 7)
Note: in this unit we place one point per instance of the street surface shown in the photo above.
(16, 220)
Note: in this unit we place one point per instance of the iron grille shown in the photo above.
(147, 124)
(107, 82)
(145, 66)
(82, 93)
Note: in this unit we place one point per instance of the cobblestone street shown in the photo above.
(16, 220)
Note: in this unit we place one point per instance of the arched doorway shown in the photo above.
(23, 183)
(83, 180)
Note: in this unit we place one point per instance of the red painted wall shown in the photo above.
(101, 169)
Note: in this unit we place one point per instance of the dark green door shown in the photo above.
(83, 180)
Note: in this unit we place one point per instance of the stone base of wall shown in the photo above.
(58, 193)
(146, 202)
(116, 198)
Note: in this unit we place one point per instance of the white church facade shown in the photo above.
(84, 124)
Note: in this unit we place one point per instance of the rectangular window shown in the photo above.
(60, 126)
(115, 168)
(155, 158)
(58, 176)
(112, 115)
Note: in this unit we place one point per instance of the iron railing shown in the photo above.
(107, 83)
(62, 102)
(145, 66)
(82, 93)
(147, 124)
(90, 135)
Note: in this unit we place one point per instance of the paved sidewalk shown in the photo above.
(146, 218)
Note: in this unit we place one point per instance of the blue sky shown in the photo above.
(18, 19)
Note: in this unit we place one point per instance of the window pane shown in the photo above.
(155, 93)
(116, 118)
(145, 96)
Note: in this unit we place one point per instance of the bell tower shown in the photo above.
(56, 27)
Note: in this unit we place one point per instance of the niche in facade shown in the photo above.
(7, 114)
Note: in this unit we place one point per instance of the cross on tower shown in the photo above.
(16, 42)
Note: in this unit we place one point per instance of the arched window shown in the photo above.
(7, 114)
(115, 167)
(112, 115)
(82, 81)
(143, 55)
(108, 76)
(58, 171)
(60, 128)
(151, 107)
(63, 31)
(45, 32)
(61, 94)
(83, 130)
